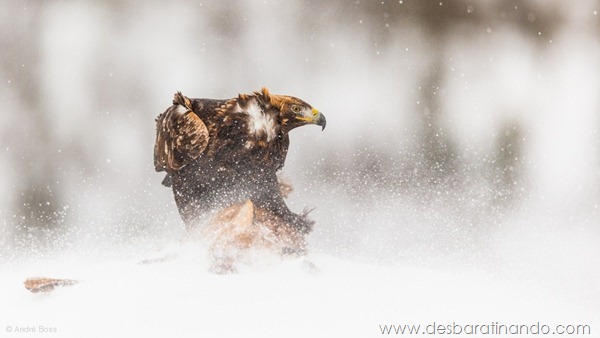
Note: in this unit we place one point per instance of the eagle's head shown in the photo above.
(290, 111)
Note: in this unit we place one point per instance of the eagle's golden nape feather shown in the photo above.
(272, 100)
(263, 95)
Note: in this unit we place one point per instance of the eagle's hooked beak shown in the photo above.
(316, 118)
(319, 118)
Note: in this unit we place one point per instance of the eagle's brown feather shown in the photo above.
(181, 136)
(220, 153)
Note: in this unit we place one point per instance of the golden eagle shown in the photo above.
(219, 153)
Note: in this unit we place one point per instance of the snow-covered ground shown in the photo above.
(97, 73)
(552, 280)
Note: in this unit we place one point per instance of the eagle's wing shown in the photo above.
(181, 136)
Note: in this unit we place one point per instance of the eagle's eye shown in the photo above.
(296, 109)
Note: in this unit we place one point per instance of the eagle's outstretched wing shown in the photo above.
(181, 136)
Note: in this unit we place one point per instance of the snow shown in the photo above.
(172, 294)
(384, 252)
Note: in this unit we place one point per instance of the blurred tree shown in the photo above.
(507, 165)
(440, 24)
(436, 146)
(38, 196)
